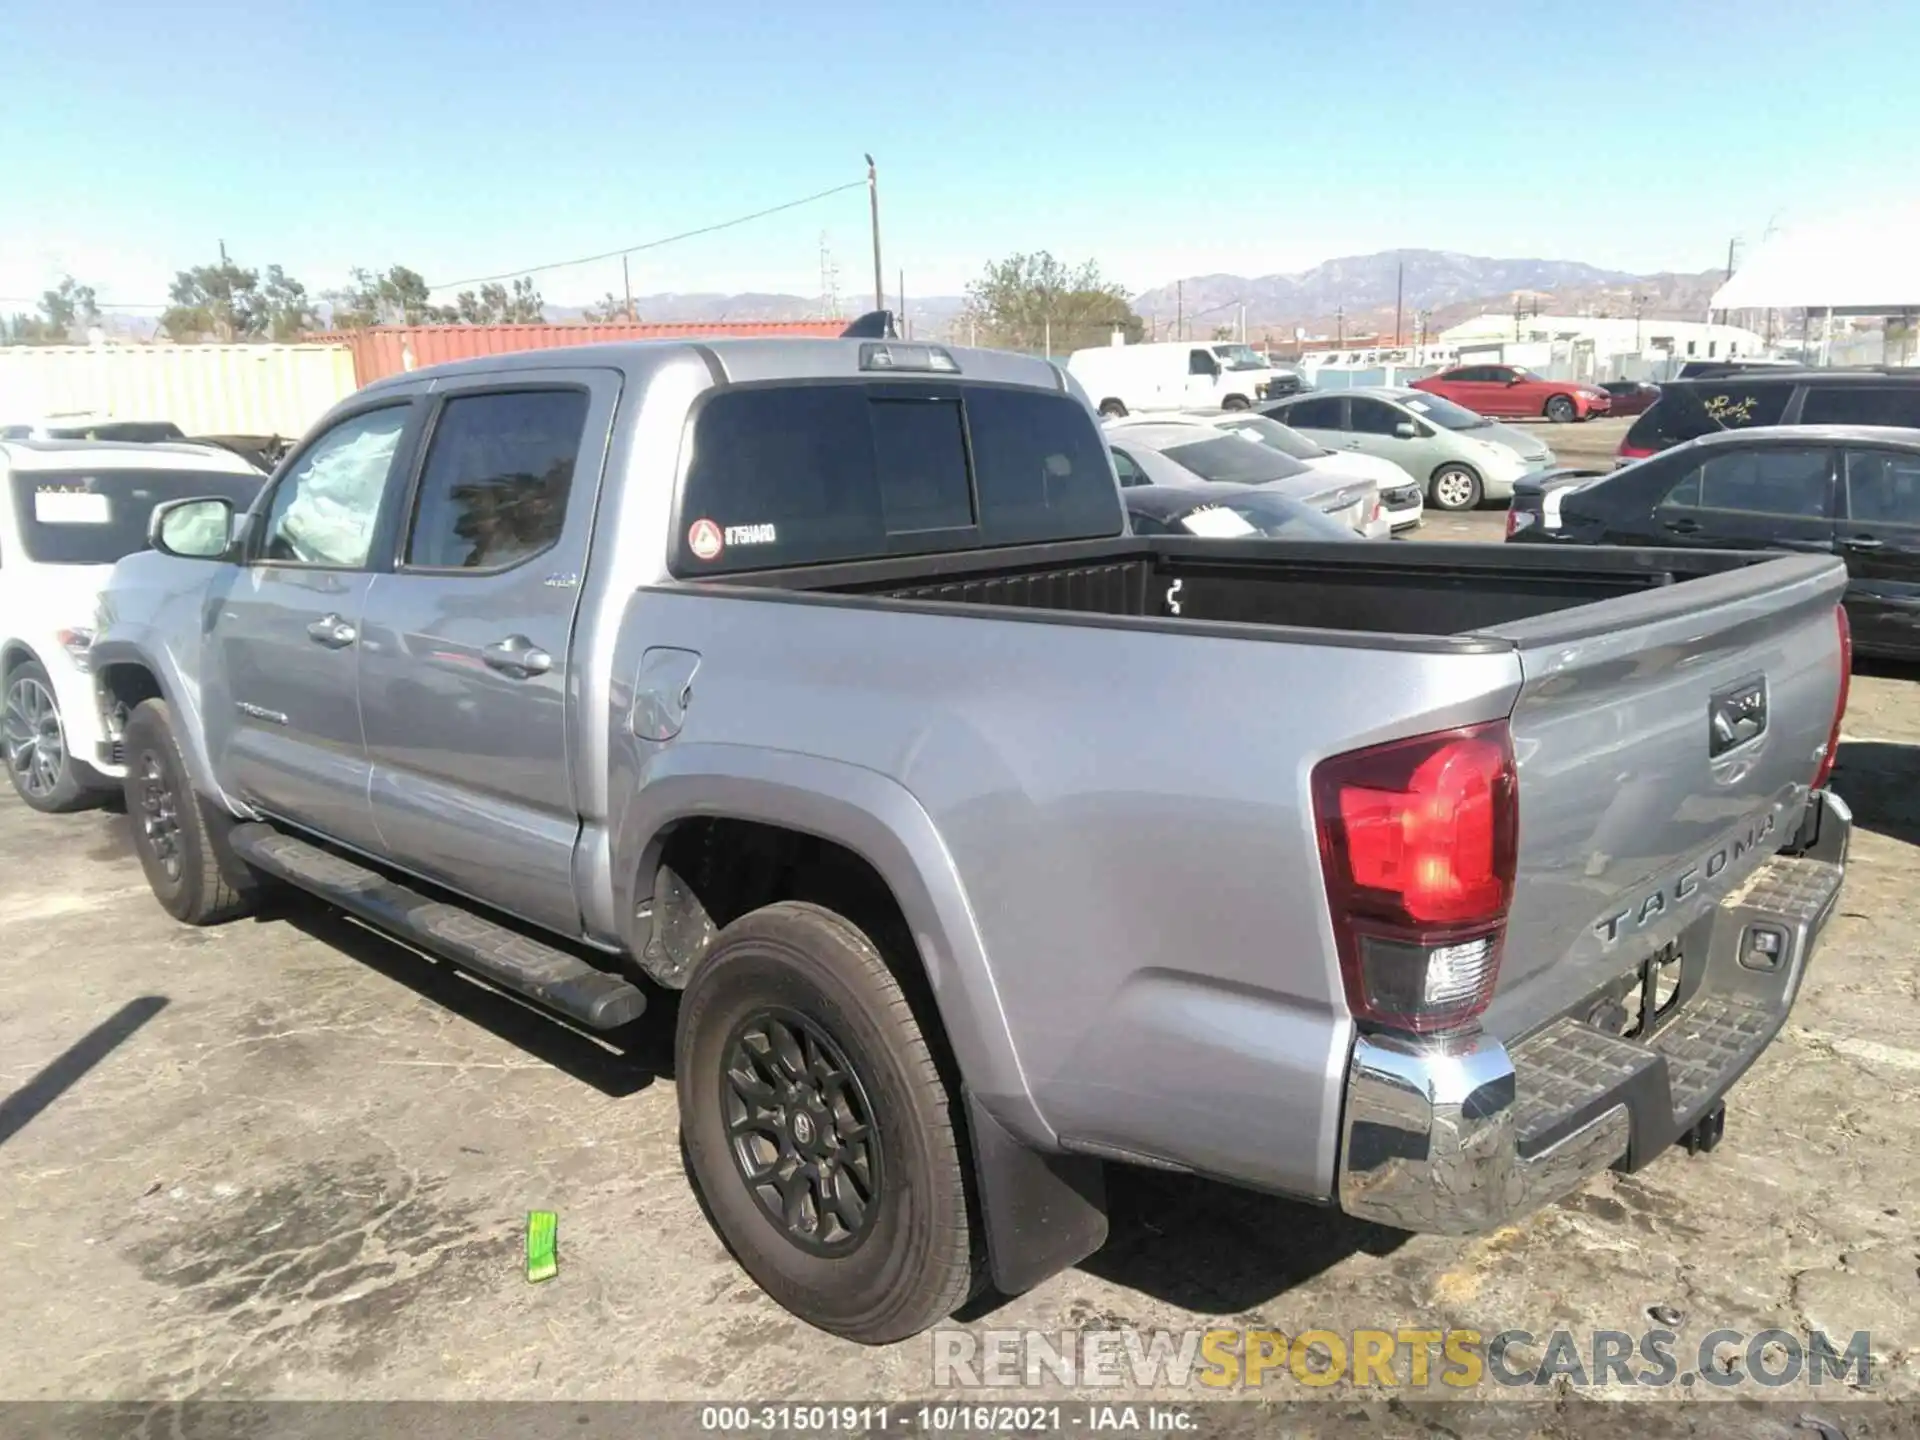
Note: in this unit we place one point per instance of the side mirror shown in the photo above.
(1406, 430)
(1513, 379)
(200, 529)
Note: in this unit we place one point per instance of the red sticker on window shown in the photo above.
(704, 540)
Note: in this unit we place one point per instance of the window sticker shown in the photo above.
(704, 539)
(751, 535)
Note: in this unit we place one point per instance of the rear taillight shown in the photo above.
(1417, 842)
(1634, 452)
(1840, 705)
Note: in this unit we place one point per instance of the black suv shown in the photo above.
(1688, 409)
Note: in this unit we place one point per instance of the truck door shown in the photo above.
(466, 641)
(279, 701)
(1203, 379)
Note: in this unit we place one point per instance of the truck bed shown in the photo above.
(1398, 590)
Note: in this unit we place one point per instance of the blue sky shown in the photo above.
(1160, 139)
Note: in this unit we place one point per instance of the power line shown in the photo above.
(649, 244)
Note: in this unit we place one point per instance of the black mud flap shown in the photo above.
(1042, 1213)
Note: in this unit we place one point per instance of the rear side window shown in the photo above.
(494, 490)
(1791, 483)
(1311, 415)
(1883, 487)
(805, 474)
(1862, 405)
(1686, 412)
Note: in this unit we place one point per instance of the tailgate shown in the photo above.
(1635, 820)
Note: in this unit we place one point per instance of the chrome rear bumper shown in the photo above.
(1462, 1136)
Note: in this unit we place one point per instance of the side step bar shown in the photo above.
(553, 978)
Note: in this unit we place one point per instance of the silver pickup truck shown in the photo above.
(988, 843)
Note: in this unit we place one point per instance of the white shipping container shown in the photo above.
(204, 389)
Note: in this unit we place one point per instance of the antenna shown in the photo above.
(829, 281)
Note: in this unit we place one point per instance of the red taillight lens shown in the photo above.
(1840, 706)
(1634, 452)
(1417, 841)
(1513, 517)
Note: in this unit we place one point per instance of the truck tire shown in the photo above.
(1561, 410)
(1113, 409)
(45, 773)
(179, 837)
(824, 1143)
(1454, 487)
(1236, 402)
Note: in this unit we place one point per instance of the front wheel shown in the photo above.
(1454, 487)
(1113, 410)
(44, 772)
(1561, 410)
(181, 839)
(818, 1129)
(1236, 402)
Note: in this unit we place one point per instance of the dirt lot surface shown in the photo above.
(285, 1158)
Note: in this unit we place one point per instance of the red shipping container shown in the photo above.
(387, 350)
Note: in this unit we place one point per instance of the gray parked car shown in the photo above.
(1184, 452)
(987, 842)
(1462, 458)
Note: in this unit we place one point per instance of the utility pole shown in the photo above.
(1730, 244)
(873, 204)
(223, 254)
(1243, 324)
(1639, 305)
(906, 330)
(626, 284)
(1399, 289)
(1340, 327)
(1179, 309)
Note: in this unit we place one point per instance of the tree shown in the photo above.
(399, 297)
(1225, 332)
(496, 305)
(290, 314)
(216, 302)
(1033, 302)
(67, 312)
(605, 311)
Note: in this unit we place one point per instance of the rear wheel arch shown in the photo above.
(835, 829)
(15, 654)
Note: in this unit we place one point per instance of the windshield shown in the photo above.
(73, 517)
(1236, 458)
(1272, 516)
(1444, 413)
(1272, 433)
(1239, 357)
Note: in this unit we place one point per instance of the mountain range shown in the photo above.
(1351, 296)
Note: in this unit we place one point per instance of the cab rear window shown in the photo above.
(802, 474)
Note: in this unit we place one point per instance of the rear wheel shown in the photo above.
(1454, 487)
(1112, 409)
(44, 772)
(818, 1129)
(1236, 402)
(180, 839)
(1561, 410)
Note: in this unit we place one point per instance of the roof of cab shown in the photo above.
(748, 359)
(119, 455)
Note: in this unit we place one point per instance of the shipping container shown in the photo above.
(392, 349)
(204, 389)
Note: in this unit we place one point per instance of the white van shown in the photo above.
(1171, 375)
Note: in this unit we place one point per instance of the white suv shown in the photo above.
(68, 511)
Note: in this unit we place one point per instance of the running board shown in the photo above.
(561, 982)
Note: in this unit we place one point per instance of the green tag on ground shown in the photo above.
(543, 1235)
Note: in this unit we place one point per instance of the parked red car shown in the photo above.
(1507, 391)
(1631, 397)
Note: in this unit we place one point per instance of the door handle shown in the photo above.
(1863, 542)
(518, 657)
(332, 632)
(1684, 527)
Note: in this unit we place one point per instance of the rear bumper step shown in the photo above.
(561, 982)
(1465, 1135)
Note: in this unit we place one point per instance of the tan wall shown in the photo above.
(204, 389)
